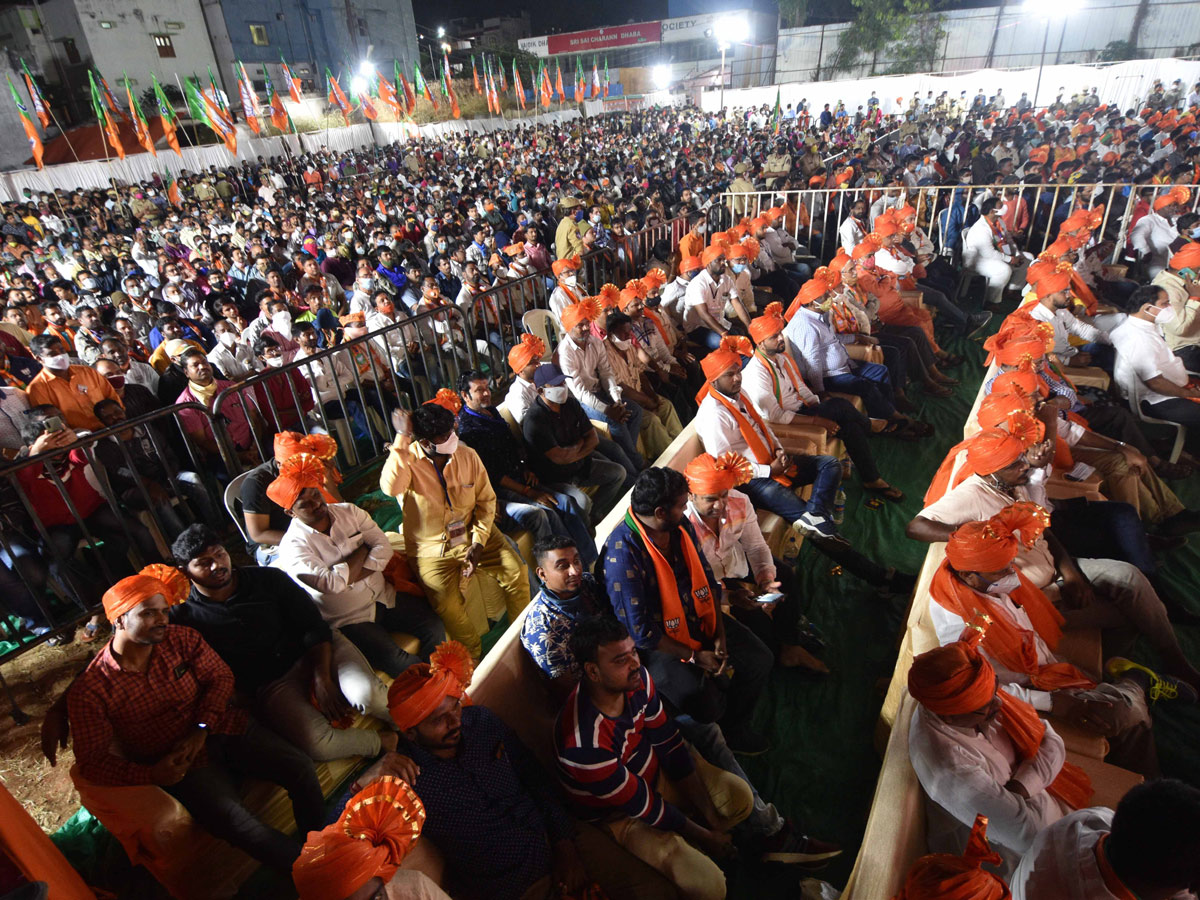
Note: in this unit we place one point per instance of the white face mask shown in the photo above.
(88, 284)
(447, 446)
(595, 219)
(621, 345)
(59, 362)
(364, 284)
(134, 290)
(174, 279)
(227, 338)
(701, 228)
(1005, 585)
(570, 280)
(1165, 315)
(557, 394)
(274, 361)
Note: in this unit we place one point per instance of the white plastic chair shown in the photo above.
(1180, 430)
(542, 323)
(233, 503)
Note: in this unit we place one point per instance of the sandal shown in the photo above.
(938, 391)
(91, 634)
(899, 430)
(889, 493)
(919, 428)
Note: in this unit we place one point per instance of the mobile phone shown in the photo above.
(52, 424)
(768, 598)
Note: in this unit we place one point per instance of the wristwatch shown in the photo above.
(691, 659)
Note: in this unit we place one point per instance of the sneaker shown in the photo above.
(1157, 687)
(976, 324)
(816, 524)
(747, 742)
(787, 847)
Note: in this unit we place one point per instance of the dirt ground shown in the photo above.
(37, 678)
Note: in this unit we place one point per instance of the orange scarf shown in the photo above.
(1012, 646)
(654, 320)
(844, 321)
(789, 369)
(1083, 292)
(763, 454)
(11, 378)
(1112, 881)
(1021, 723)
(700, 594)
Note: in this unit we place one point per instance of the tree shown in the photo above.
(149, 101)
(792, 13)
(1117, 51)
(920, 47)
(904, 31)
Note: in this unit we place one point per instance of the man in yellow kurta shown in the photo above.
(449, 528)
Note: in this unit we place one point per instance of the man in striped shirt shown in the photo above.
(612, 739)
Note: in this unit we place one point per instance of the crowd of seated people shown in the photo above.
(649, 596)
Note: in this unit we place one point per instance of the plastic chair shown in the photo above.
(233, 503)
(542, 323)
(1180, 430)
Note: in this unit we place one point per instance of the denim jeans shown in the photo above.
(824, 473)
(624, 433)
(412, 615)
(869, 381)
(612, 481)
(853, 431)
(1176, 409)
(543, 523)
(1103, 530)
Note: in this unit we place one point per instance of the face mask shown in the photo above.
(557, 394)
(595, 220)
(387, 308)
(173, 298)
(88, 284)
(117, 381)
(570, 280)
(174, 279)
(1005, 585)
(364, 284)
(621, 345)
(59, 362)
(227, 338)
(274, 362)
(701, 228)
(739, 268)
(447, 446)
(1165, 316)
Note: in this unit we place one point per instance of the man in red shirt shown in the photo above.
(152, 707)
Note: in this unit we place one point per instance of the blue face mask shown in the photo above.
(739, 268)
(1196, 232)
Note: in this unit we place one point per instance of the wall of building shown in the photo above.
(14, 147)
(1169, 29)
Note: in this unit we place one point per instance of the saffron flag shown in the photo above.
(517, 86)
(140, 127)
(173, 194)
(211, 113)
(454, 110)
(558, 85)
(109, 100)
(547, 87)
(422, 87)
(368, 108)
(250, 110)
(503, 80)
(107, 123)
(387, 93)
(217, 93)
(35, 97)
(293, 83)
(475, 75)
(596, 79)
(336, 96)
(606, 76)
(35, 142)
(166, 116)
(578, 86)
(410, 97)
(279, 115)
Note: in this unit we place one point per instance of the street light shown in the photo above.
(358, 85)
(729, 30)
(662, 77)
(366, 70)
(441, 32)
(1060, 9)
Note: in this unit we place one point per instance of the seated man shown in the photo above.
(728, 422)
(979, 750)
(523, 359)
(773, 383)
(137, 720)
(284, 398)
(243, 419)
(74, 390)
(269, 632)
(1091, 592)
(703, 304)
(1149, 848)
(664, 592)
(338, 554)
(567, 449)
(978, 576)
(735, 549)
(590, 377)
(530, 505)
(449, 519)
(490, 807)
(988, 253)
(625, 765)
(1181, 281)
(660, 421)
(1148, 374)
(1055, 305)
(945, 876)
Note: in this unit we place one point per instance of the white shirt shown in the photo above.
(1142, 353)
(326, 374)
(851, 232)
(146, 375)
(719, 432)
(304, 551)
(712, 294)
(882, 205)
(673, 294)
(560, 299)
(237, 363)
(760, 378)
(980, 244)
(589, 375)
(521, 395)
(739, 550)
(896, 263)
(1065, 324)
(963, 772)
(1152, 236)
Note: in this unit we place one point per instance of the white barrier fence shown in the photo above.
(140, 166)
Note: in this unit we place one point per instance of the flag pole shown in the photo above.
(195, 134)
(62, 131)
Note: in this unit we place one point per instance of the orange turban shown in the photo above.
(707, 475)
(811, 290)
(987, 451)
(816, 181)
(769, 323)
(135, 589)
(561, 266)
(737, 251)
(638, 286)
(1181, 194)
(753, 247)
(1054, 252)
(609, 296)
(1188, 256)
(844, 175)
(729, 353)
(628, 296)
(654, 278)
(905, 212)
(419, 689)
(720, 239)
(585, 310)
(837, 265)
(448, 400)
(738, 231)
(1053, 283)
(1014, 349)
(530, 348)
(711, 253)
(1025, 380)
(998, 407)
(690, 264)
(289, 443)
(885, 227)
(299, 472)
(514, 249)
(867, 248)
(991, 545)
(759, 222)
(1165, 200)
(952, 680)
(773, 213)
(943, 876)
(379, 826)
(354, 318)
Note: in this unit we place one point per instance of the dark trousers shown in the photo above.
(1117, 422)
(1176, 409)
(853, 430)
(211, 795)
(693, 691)
(412, 615)
(916, 347)
(1190, 356)
(781, 629)
(869, 381)
(1103, 530)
